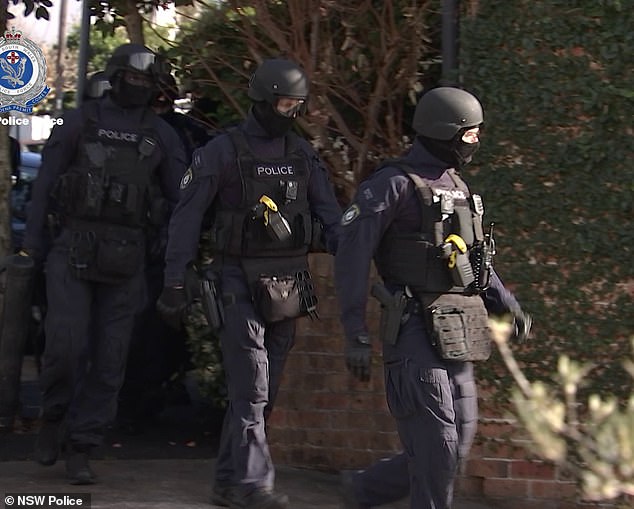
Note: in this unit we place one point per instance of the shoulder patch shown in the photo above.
(351, 213)
(188, 176)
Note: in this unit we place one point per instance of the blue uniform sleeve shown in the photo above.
(173, 165)
(375, 206)
(498, 299)
(58, 153)
(323, 202)
(198, 188)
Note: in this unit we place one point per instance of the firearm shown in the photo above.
(201, 285)
(212, 300)
(392, 308)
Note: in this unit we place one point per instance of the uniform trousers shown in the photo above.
(88, 328)
(434, 403)
(254, 354)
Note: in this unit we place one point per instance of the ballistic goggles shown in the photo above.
(290, 107)
(147, 63)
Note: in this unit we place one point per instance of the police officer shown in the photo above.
(192, 133)
(113, 168)
(157, 351)
(97, 85)
(266, 186)
(419, 221)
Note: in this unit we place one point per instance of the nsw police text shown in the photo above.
(46, 500)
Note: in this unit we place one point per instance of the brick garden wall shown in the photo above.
(325, 419)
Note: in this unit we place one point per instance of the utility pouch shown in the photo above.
(458, 327)
(277, 298)
(92, 195)
(317, 243)
(120, 251)
(392, 309)
(213, 307)
(283, 297)
(105, 253)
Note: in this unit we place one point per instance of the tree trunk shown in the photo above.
(5, 168)
(134, 23)
(5, 192)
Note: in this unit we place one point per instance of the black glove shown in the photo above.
(34, 255)
(358, 353)
(522, 323)
(172, 304)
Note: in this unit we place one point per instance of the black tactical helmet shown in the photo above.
(168, 87)
(97, 85)
(133, 57)
(275, 78)
(442, 112)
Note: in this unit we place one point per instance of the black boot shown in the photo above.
(348, 491)
(47, 445)
(77, 468)
(260, 498)
(223, 495)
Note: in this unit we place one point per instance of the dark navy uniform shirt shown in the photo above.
(62, 147)
(214, 172)
(388, 198)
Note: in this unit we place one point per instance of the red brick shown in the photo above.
(553, 490)
(487, 468)
(469, 486)
(515, 503)
(510, 488)
(532, 470)
(500, 448)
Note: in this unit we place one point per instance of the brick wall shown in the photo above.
(323, 417)
(327, 420)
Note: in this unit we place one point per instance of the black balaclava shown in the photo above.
(454, 151)
(127, 95)
(274, 124)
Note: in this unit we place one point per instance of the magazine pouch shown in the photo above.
(458, 327)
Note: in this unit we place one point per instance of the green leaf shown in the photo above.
(41, 13)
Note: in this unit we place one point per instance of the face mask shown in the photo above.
(127, 95)
(463, 152)
(273, 123)
(454, 152)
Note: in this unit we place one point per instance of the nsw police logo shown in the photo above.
(22, 73)
(350, 214)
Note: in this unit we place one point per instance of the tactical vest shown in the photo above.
(108, 196)
(241, 231)
(442, 257)
(112, 179)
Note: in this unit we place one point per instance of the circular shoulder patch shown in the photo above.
(351, 213)
(188, 176)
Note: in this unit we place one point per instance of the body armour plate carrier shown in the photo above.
(112, 178)
(438, 259)
(247, 231)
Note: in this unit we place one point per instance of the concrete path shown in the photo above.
(169, 484)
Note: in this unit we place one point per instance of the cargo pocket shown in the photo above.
(412, 389)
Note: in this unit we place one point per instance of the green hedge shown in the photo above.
(556, 79)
